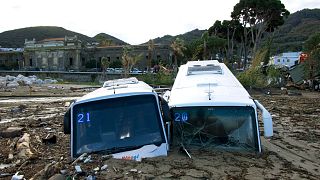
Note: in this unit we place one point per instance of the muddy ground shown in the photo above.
(293, 152)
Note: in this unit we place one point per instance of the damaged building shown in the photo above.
(54, 54)
(11, 58)
(69, 53)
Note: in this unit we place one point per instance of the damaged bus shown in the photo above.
(123, 118)
(211, 108)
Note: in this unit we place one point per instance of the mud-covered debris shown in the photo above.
(17, 176)
(23, 146)
(67, 104)
(88, 159)
(106, 157)
(63, 171)
(78, 169)
(133, 170)
(11, 132)
(10, 156)
(90, 177)
(80, 158)
(294, 93)
(16, 110)
(48, 171)
(57, 177)
(104, 167)
(49, 139)
(2, 175)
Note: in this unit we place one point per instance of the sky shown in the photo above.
(133, 21)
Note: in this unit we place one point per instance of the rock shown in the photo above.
(11, 132)
(10, 156)
(48, 171)
(50, 139)
(13, 84)
(16, 110)
(57, 177)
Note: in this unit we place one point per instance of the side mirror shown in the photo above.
(165, 109)
(67, 122)
(267, 120)
(167, 118)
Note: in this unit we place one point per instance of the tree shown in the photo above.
(129, 59)
(150, 53)
(104, 64)
(178, 48)
(312, 48)
(260, 16)
(103, 41)
(215, 28)
(204, 38)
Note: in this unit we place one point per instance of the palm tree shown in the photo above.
(150, 53)
(178, 48)
(129, 59)
(205, 37)
(104, 64)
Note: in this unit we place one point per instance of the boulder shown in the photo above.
(57, 177)
(11, 132)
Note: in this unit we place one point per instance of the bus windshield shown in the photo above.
(116, 123)
(227, 127)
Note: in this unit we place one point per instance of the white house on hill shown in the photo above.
(288, 59)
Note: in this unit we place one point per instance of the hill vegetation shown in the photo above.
(16, 38)
(187, 37)
(297, 28)
(113, 40)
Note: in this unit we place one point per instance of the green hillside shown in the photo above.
(187, 37)
(296, 29)
(16, 38)
(114, 40)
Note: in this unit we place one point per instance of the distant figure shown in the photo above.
(156, 68)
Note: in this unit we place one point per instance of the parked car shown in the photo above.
(94, 70)
(110, 70)
(118, 70)
(136, 71)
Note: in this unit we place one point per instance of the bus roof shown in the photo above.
(207, 83)
(117, 88)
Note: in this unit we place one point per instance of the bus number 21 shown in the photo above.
(82, 118)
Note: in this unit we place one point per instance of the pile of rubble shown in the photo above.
(12, 82)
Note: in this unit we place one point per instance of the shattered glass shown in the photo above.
(231, 128)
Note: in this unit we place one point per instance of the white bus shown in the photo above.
(211, 108)
(123, 118)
